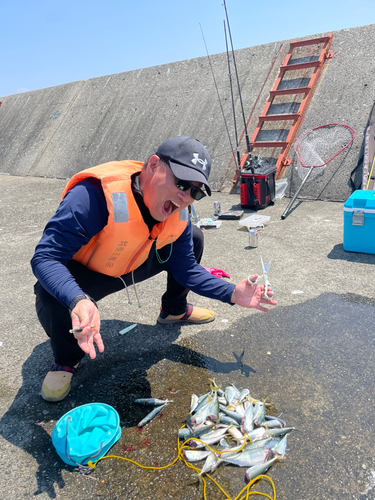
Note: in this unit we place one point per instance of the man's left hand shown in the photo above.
(252, 296)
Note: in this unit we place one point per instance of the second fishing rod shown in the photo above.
(239, 92)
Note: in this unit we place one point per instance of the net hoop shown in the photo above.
(303, 136)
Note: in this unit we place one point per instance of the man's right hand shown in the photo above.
(83, 315)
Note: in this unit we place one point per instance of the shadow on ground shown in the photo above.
(314, 361)
(338, 253)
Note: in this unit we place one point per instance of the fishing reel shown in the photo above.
(255, 162)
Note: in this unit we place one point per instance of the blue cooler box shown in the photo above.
(359, 222)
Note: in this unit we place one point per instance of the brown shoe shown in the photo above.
(193, 315)
(56, 384)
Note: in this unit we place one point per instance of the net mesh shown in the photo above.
(319, 146)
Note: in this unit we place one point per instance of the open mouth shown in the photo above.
(170, 206)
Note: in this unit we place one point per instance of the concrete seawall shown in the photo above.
(57, 131)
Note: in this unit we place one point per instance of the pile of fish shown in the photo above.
(236, 427)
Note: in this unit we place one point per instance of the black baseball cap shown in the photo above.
(188, 158)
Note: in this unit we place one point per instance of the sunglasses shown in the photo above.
(195, 192)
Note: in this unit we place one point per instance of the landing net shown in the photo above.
(317, 147)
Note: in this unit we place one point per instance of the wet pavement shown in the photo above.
(312, 356)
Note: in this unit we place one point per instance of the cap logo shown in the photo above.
(196, 160)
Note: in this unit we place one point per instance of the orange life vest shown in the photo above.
(125, 242)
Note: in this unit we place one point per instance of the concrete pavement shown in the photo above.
(312, 355)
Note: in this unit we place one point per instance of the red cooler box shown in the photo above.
(257, 187)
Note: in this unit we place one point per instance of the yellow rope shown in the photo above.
(244, 494)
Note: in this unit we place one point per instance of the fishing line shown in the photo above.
(231, 93)
(238, 83)
(244, 494)
(217, 91)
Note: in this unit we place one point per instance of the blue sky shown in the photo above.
(47, 43)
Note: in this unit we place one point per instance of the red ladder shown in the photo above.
(283, 137)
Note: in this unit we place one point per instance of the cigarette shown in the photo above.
(79, 329)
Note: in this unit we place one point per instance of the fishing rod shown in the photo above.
(231, 93)
(239, 88)
(218, 95)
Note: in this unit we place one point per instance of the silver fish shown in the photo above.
(209, 438)
(236, 434)
(239, 408)
(151, 415)
(249, 458)
(153, 401)
(237, 393)
(184, 433)
(230, 394)
(193, 403)
(278, 432)
(202, 398)
(269, 442)
(232, 414)
(227, 420)
(247, 420)
(209, 411)
(210, 464)
(244, 394)
(272, 424)
(259, 413)
(201, 402)
(269, 417)
(195, 455)
(230, 449)
(281, 447)
(259, 433)
(187, 433)
(223, 444)
(246, 404)
(214, 407)
(272, 443)
(258, 470)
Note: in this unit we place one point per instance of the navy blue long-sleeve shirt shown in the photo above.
(80, 216)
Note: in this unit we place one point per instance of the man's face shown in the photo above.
(160, 193)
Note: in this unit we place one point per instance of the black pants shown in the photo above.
(55, 318)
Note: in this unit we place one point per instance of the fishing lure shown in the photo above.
(79, 329)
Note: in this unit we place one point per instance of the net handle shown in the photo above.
(317, 128)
